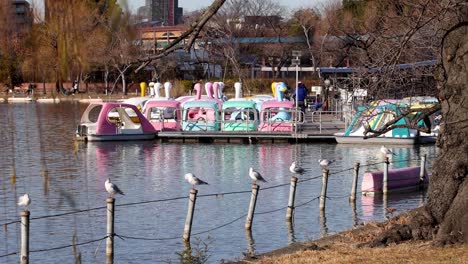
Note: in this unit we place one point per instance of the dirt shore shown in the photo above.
(349, 247)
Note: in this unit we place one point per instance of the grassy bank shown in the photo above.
(346, 247)
(411, 252)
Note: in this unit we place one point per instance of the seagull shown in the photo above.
(386, 151)
(296, 169)
(324, 163)
(24, 201)
(112, 188)
(192, 179)
(256, 176)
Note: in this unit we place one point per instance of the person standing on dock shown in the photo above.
(301, 96)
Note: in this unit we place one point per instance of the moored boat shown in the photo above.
(401, 179)
(164, 115)
(114, 121)
(277, 116)
(200, 115)
(239, 115)
(376, 116)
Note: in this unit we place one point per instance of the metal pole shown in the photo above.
(110, 231)
(352, 198)
(323, 194)
(422, 170)
(292, 195)
(385, 176)
(189, 219)
(320, 115)
(297, 95)
(253, 202)
(24, 257)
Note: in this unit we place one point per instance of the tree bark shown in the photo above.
(444, 218)
(448, 190)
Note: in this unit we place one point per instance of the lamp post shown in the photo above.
(296, 62)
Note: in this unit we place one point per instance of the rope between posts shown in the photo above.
(305, 203)
(67, 246)
(336, 172)
(149, 239)
(272, 211)
(222, 194)
(178, 237)
(10, 223)
(68, 213)
(9, 254)
(152, 201)
(221, 226)
(309, 179)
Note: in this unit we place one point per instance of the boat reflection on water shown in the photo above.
(388, 205)
(370, 154)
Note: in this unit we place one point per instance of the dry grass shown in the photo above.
(414, 252)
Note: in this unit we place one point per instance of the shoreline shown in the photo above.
(352, 246)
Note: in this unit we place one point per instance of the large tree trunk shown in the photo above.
(444, 218)
(448, 189)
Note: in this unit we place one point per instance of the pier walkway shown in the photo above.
(318, 126)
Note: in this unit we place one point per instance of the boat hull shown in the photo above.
(399, 180)
(377, 140)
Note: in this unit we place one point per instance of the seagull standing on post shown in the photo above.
(296, 169)
(386, 151)
(256, 176)
(111, 188)
(24, 200)
(192, 179)
(324, 163)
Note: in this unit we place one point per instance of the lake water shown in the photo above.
(39, 137)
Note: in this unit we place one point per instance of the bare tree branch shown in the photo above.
(194, 31)
(425, 113)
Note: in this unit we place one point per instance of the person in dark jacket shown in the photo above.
(301, 96)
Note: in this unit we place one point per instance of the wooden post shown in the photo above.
(323, 195)
(190, 211)
(352, 198)
(385, 176)
(292, 196)
(253, 203)
(110, 231)
(422, 170)
(24, 257)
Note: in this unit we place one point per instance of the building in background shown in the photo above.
(22, 14)
(161, 12)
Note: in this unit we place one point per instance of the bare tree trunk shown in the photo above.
(444, 218)
(448, 190)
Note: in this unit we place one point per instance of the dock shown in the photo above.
(317, 127)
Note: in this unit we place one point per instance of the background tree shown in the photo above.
(13, 40)
(306, 22)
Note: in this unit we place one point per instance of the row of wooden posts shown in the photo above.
(25, 215)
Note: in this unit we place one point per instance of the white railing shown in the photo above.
(249, 120)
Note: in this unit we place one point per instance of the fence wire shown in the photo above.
(205, 195)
